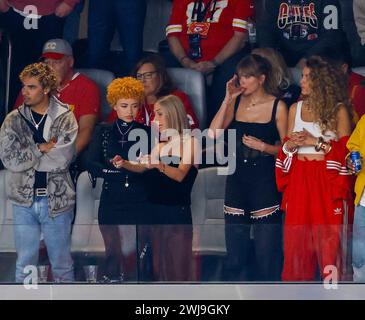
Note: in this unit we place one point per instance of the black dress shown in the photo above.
(123, 198)
(170, 199)
(250, 189)
(253, 187)
(171, 233)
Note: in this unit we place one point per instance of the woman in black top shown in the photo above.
(170, 172)
(123, 198)
(260, 122)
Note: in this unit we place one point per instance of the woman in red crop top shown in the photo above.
(311, 173)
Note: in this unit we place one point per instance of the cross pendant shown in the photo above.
(122, 142)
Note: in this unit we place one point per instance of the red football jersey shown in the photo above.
(81, 94)
(224, 16)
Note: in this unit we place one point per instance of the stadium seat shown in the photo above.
(102, 79)
(193, 84)
(359, 70)
(207, 198)
(86, 236)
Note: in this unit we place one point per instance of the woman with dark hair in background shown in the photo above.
(252, 200)
(157, 83)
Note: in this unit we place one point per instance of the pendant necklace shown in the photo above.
(255, 103)
(123, 134)
(34, 122)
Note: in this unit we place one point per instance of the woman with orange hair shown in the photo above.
(123, 198)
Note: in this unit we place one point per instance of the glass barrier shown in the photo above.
(209, 253)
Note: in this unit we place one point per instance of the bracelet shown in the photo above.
(289, 153)
(319, 145)
(326, 145)
(183, 58)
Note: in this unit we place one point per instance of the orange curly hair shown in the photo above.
(125, 88)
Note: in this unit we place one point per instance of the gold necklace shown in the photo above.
(253, 104)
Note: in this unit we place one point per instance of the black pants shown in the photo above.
(257, 259)
(27, 43)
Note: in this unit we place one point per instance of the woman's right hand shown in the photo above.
(232, 90)
(117, 161)
(350, 166)
(295, 140)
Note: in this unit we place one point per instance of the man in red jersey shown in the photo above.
(209, 36)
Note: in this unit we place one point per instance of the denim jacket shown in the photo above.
(20, 155)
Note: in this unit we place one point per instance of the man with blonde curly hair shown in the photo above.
(37, 145)
(78, 91)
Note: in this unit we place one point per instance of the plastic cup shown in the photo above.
(91, 273)
(42, 273)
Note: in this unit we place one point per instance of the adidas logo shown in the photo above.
(337, 211)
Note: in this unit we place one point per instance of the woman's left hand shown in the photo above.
(253, 143)
(305, 138)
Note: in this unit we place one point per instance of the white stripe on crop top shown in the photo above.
(313, 128)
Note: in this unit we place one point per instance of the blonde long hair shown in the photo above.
(329, 90)
(280, 72)
(175, 112)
